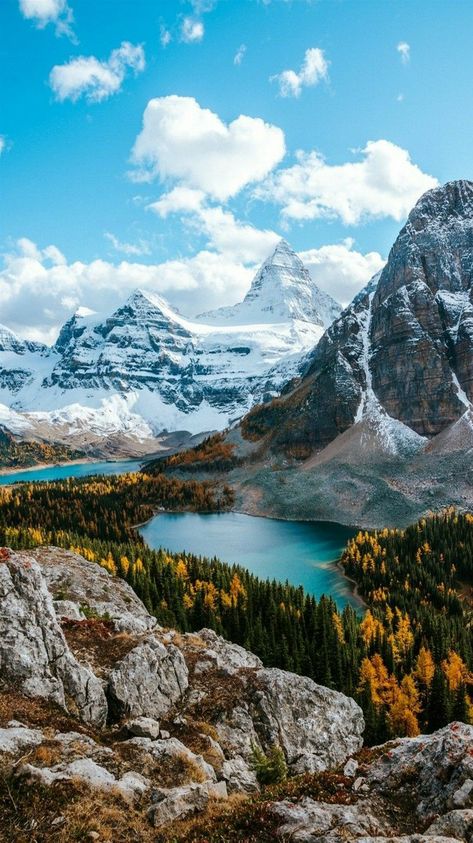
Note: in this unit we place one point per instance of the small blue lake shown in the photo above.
(59, 472)
(304, 553)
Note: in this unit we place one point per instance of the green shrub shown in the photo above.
(270, 768)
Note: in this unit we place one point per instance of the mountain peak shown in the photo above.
(445, 203)
(281, 291)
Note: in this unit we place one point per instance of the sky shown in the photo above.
(169, 145)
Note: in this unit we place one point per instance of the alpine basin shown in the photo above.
(304, 553)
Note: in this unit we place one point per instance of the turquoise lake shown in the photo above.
(59, 472)
(304, 553)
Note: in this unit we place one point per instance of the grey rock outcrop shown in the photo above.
(34, 654)
(148, 681)
(309, 820)
(74, 581)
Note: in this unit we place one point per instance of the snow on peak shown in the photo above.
(281, 291)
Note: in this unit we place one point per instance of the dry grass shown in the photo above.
(38, 713)
(67, 812)
(94, 641)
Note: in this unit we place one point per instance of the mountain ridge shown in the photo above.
(145, 369)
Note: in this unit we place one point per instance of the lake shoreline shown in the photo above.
(41, 466)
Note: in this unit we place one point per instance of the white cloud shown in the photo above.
(164, 36)
(227, 235)
(340, 270)
(314, 68)
(404, 51)
(236, 240)
(3, 144)
(139, 248)
(94, 79)
(240, 54)
(191, 145)
(43, 12)
(385, 183)
(192, 31)
(184, 199)
(39, 290)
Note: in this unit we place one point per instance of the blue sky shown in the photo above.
(68, 178)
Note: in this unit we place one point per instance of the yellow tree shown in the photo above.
(425, 667)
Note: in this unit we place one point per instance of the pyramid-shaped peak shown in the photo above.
(285, 256)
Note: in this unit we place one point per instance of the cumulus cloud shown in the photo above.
(182, 142)
(139, 248)
(313, 70)
(43, 12)
(240, 54)
(3, 144)
(39, 289)
(385, 183)
(96, 80)
(404, 51)
(192, 30)
(340, 270)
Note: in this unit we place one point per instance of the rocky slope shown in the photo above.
(145, 368)
(114, 728)
(391, 374)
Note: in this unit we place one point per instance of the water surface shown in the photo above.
(59, 472)
(304, 553)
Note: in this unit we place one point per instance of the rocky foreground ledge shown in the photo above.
(112, 728)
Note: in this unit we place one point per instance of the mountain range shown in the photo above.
(380, 426)
(125, 379)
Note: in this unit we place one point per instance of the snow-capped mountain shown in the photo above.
(282, 291)
(146, 368)
(400, 357)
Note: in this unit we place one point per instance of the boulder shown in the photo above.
(317, 728)
(239, 776)
(147, 681)
(34, 655)
(144, 727)
(223, 655)
(441, 765)
(131, 785)
(310, 820)
(458, 824)
(178, 803)
(17, 738)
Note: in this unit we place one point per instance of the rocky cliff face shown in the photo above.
(145, 368)
(111, 725)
